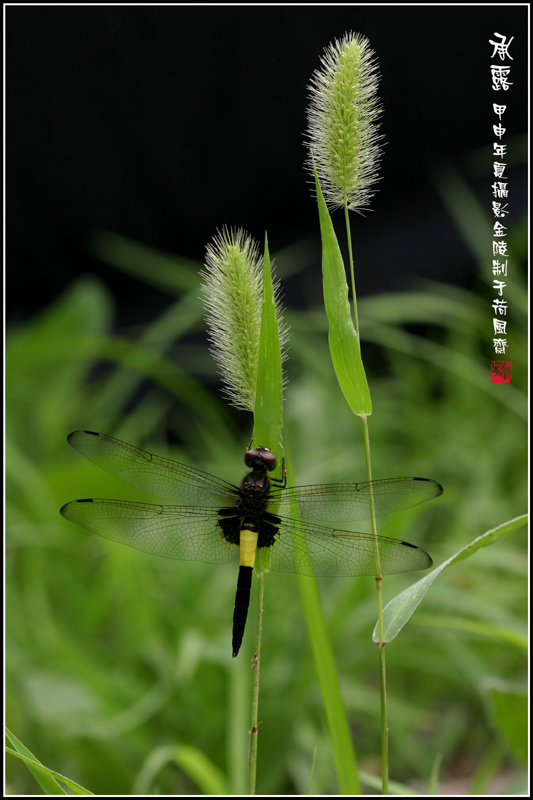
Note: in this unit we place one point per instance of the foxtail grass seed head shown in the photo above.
(232, 291)
(343, 121)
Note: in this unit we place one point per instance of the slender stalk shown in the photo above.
(381, 645)
(350, 254)
(256, 661)
(384, 727)
(379, 579)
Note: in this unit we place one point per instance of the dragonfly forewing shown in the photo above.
(159, 476)
(345, 503)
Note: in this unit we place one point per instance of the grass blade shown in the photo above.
(45, 777)
(403, 606)
(343, 340)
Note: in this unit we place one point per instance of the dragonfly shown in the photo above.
(262, 521)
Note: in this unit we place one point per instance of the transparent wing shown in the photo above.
(193, 534)
(188, 534)
(344, 503)
(313, 550)
(153, 474)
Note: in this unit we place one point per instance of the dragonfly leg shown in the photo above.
(281, 482)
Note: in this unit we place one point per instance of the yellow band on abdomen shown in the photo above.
(248, 541)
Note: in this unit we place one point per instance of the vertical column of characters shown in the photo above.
(500, 371)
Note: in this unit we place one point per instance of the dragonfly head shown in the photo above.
(260, 457)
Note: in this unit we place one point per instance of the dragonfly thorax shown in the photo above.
(250, 511)
(253, 493)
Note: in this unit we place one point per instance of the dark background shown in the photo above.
(165, 123)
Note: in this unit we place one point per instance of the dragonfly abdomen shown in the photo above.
(242, 602)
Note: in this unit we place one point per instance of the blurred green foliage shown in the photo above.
(119, 671)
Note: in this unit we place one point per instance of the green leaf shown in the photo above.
(328, 678)
(475, 626)
(343, 340)
(192, 761)
(45, 777)
(52, 354)
(433, 783)
(268, 430)
(268, 409)
(168, 272)
(403, 606)
(375, 782)
(508, 708)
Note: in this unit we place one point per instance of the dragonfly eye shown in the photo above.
(260, 457)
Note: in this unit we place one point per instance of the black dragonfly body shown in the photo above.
(261, 519)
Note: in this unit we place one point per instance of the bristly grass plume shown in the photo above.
(343, 114)
(232, 296)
